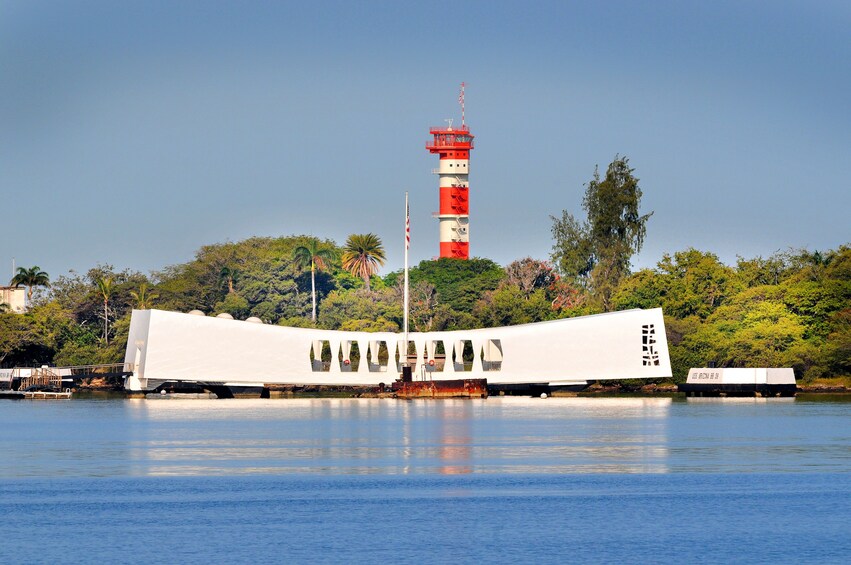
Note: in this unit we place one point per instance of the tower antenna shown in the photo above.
(453, 146)
(461, 101)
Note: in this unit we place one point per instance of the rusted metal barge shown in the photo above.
(407, 388)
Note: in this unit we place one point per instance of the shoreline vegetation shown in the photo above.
(792, 309)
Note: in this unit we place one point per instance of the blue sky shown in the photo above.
(135, 132)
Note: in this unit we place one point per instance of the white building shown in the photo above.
(15, 297)
(739, 381)
(170, 346)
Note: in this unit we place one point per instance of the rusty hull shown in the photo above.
(457, 388)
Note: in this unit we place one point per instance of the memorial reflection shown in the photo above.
(438, 436)
(360, 436)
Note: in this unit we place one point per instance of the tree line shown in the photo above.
(790, 309)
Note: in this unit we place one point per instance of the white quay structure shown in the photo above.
(170, 347)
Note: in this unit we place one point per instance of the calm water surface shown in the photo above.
(496, 480)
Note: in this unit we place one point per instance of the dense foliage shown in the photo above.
(791, 309)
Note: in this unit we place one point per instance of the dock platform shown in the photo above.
(35, 394)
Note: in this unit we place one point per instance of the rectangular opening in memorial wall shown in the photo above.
(492, 355)
(462, 355)
(320, 356)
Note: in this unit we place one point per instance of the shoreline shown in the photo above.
(325, 391)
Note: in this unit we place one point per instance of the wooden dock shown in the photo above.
(35, 395)
(54, 382)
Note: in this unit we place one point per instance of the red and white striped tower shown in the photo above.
(454, 146)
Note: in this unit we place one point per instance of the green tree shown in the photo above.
(319, 257)
(646, 288)
(82, 298)
(509, 305)
(686, 354)
(596, 253)
(362, 309)
(273, 291)
(296, 322)
(259, 260)
(227, 276)
(30, 278)
(426, 314)
(233, 304)
(697, 283)
(32, 338)
(83, 347)
(208, 278)
(689, 283)
(573, 249)
(144, 296)
(19, 339)
(458, 283)
(765, 335)
(759, 271)
(839, 344)
(363, 254)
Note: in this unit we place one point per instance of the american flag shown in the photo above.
(407, 226)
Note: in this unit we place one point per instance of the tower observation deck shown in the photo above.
(453, 145)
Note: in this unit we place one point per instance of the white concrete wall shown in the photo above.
(726, 376)
(174, 346)
(15, 297)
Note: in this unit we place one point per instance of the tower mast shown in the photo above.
(453, 145)
(461, 101)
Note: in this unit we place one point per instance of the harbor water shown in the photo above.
(498, 480)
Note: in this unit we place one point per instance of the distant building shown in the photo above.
(15, 297)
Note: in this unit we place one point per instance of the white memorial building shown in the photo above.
(170, 347)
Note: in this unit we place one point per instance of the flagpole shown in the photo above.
(407, 244)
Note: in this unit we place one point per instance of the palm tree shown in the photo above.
(144, 297)
(30, 278)
(106, 288)
(318, 257)
(228, 275)
(362, 255)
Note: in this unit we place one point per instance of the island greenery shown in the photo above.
(792, 309)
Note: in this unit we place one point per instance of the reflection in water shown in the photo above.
(114, 438)
(360, 436)
(738, 399)
(754, 474)
(456, 438)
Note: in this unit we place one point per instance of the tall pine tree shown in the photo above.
(596, 253)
